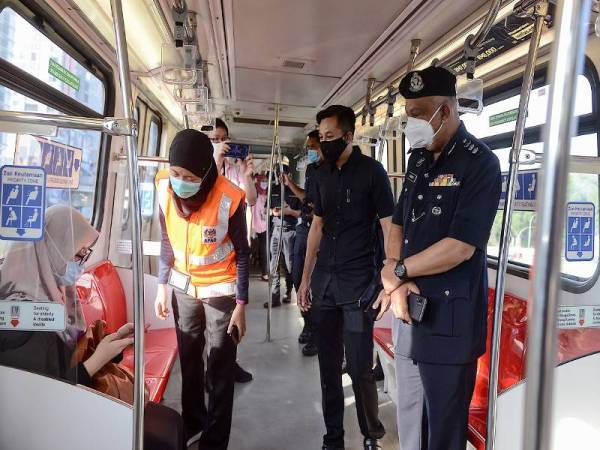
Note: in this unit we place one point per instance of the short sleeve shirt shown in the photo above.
(349, 199)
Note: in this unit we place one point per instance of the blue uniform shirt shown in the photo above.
(454, 197)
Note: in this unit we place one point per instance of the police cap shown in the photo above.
(429, 82)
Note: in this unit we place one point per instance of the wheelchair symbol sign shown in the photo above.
(580, 232)
(23, 196)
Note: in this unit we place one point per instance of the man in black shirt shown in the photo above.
(350, 191)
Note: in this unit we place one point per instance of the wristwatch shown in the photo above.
(400, 271)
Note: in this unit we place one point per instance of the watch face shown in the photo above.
(400, 270)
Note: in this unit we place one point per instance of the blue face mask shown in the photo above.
(73, 272)
(313, 155)
(184, 189)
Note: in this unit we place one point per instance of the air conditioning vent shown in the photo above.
(290, 64)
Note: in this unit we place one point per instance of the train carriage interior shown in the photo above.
(92, 94)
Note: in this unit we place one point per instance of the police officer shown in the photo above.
(351, 190)
(313, 149)
(286, 218)
(437, 247)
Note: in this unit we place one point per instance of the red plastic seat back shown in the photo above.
(102, 296)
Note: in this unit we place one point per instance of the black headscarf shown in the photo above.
(193, 151)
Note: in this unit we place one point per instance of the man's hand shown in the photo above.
(160, 304)
(384, 300)
(238, 320)
(247, 167)
(388, 276)
(285, 179)
(287, 211)
(304, 302)
(400, 301)
(277, 211)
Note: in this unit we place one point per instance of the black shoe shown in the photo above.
(191, 437)
(241, 375)
(273, 305)
(371, 444)
(310, 349)
(304, 336)
(287, 298)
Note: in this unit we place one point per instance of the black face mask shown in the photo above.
(332, 150)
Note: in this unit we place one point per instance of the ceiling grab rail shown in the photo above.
(567, 59)
(538, 12)
(275, 147)
(136, 228)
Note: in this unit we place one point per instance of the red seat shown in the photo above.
(383, 336)
(102, 297)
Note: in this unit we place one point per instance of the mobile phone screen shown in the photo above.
(238, 151)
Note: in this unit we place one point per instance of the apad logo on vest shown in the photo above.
(209, 235)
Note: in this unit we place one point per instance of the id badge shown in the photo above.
(179, 281)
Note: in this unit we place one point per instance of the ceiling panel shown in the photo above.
(329, 35)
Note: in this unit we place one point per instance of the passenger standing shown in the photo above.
(351, 190)
(313, 148)
(205, 258)
(260, 223)
(437, 247)
(239, 173)
(286, 218)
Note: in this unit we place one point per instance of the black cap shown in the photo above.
(429, 82)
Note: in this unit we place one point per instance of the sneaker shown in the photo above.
(310, 349)
(241, 375)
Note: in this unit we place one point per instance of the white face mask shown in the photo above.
(419, 132)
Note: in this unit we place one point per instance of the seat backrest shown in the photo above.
(102, 296)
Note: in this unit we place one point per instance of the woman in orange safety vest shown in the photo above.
(205, 259)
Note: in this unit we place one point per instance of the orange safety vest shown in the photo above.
(201, 244)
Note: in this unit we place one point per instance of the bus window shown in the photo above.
(26, 150)
(22, 45)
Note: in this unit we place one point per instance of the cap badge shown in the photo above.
(416, 83)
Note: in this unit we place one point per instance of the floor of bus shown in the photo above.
(281, 408)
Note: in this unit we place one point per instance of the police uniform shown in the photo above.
(455, 196)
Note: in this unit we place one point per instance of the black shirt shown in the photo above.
(309, 194)
(349, 199)
(455, 196)
(292, 201)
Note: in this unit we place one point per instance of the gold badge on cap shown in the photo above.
(416, 83)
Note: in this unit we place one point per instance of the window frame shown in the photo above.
(586, 124)
(59, 32)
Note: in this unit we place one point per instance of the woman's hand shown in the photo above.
(109, 347)
(160, 304)
(238, 320)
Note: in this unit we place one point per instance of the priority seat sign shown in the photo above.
(23, 195)
(579, 245)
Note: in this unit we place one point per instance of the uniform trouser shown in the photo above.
(192, 318)
(433, 404)
(262, 252)
(300, 244)
(287, 252)
(338, 328)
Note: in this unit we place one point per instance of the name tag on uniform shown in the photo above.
(178, 280)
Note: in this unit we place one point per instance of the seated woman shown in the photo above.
(46, 271)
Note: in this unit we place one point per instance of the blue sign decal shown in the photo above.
(62, 164)
(580, 231)
(23, 194)
(525, 190)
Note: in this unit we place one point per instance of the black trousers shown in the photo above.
(262, 252)
(338, 328)
(192, 318)
(300, 244)
(163, 428)
(287, 249)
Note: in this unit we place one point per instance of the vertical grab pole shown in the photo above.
(136, 217)
(540, 12)
(268, 243)
(567, 62)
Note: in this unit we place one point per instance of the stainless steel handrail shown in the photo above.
(111, 125)
(540, 15)
(268, 243)
(136, 227)
(571, 23)
(486, 26)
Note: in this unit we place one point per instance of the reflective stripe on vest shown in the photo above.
(214, 290)
(218, 255)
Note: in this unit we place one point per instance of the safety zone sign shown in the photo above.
(32, 316)
(578, 317)
(23, 193)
